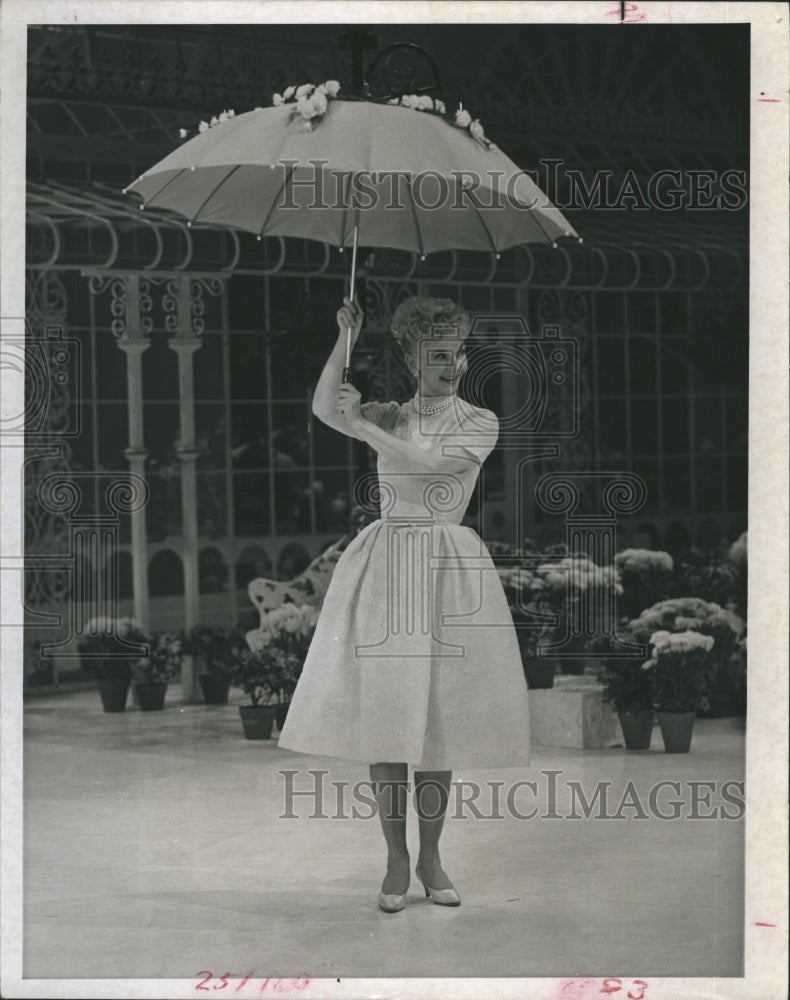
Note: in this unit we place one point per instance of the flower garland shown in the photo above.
(310, 101)
(463, 120)
(223, 116)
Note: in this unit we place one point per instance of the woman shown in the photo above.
(415, 658)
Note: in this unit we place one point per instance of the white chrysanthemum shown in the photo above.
(394, 100)
(332, 87)
(319, 103)
(288, 93)
(182, 132)
(277, 100)
(214, 121)
(463, 118)
(440, 107)
(304, 107)
(476, 129)
(425, 102)
(203, 127)
(304, 90)
(409, 100)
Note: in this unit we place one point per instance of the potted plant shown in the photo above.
(152, 673)
(630, 689)
(102, 650)
(219, 648)
(263, 675)
(682, 669)
(288, 628)
(566, 586)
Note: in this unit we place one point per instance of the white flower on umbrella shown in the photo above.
(394, 100)
(319, 103)
(183, 133)
(463, 118)
(204, 126)
(277, 100)
(425, 103)
(214, 121)
(409, 100)
(332, 87)
(304, 107)
(304, 90)
(288, 93)
(440, 106)
(476, 130)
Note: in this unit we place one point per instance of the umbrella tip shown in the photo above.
(192, 167)
(124, 190)
(340, 249)
(499, 256)
(189, 225)
(259, 237)
(423, 256)
(579, 238)
(142, 206)
(554, 245)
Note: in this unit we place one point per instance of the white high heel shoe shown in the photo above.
(442, 897)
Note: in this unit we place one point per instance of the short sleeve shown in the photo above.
(478, 436)
(383, 415)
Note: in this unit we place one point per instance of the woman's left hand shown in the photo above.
(348, 403)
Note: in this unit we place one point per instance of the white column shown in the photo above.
(185, 343)
(133, 343)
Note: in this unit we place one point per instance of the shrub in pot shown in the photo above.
(682, 668)
(264, 675)
(630, 690)
(288, 629)
(108, 648)
(571, 586)
(153, 673)
(219, 648)
(682, 614)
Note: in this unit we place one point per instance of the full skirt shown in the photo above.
(415, 658)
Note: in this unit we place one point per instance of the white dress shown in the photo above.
(415, 658)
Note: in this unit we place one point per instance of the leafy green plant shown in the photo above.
(218, 646)
(682, 669)
(163, 661)
(267, 676)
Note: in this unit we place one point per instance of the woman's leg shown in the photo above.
(431, 796)
(390, 787)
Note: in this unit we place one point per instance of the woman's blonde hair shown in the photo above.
(417, 319)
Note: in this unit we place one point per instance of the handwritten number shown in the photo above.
(200, 985)
(642, 988)
(607, 988)
(224, 981)
(244, 982)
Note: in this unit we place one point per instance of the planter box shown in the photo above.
(572, 714)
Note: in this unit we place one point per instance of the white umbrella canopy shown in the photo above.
(406, 179)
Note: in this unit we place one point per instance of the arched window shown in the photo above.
(252, 563)
(212, 571)
(293, 559)
(165, 574)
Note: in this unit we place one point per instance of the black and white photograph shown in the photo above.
(394, 449)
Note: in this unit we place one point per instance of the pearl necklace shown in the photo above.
(431, 408)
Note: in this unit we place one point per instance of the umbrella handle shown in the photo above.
(347, 369)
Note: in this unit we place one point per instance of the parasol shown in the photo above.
(397, 174)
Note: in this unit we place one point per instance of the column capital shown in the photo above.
(133, 342)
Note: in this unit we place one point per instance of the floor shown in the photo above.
(155, 848)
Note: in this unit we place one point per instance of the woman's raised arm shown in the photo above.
(325, 395)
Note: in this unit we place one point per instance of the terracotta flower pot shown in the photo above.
(114, 691)
(677, 729)
(152, 696)
(258, 721)
(539, 672)
(215, 689)
(637, 728)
